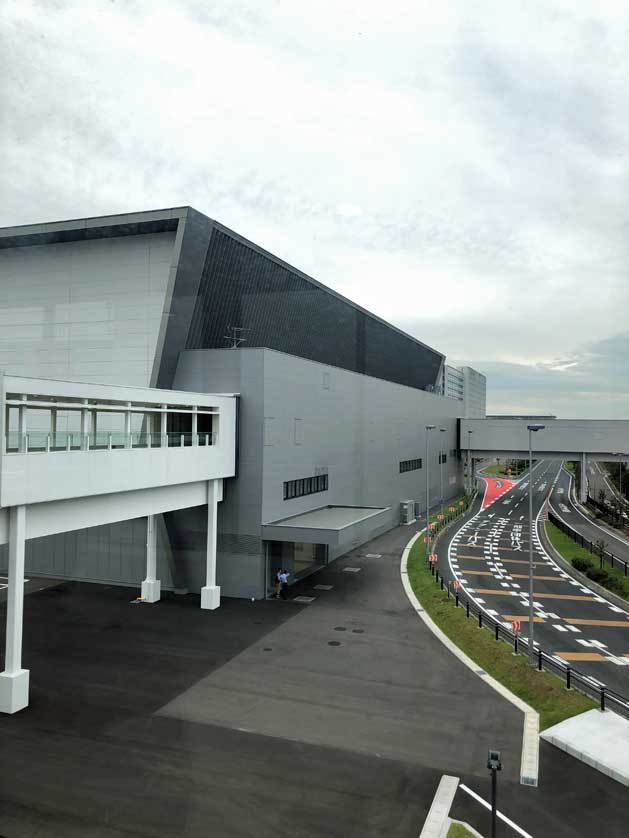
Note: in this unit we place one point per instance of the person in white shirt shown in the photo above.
(283, 577)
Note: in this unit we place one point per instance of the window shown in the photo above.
(443, 458)
(305, 486)
(410, 465)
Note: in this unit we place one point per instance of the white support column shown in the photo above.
(583, 492)
(14, 680)
(127, 427)
(195, 425)
(211, 593)
(22, 425)
(53, 426)
(85, 427)
(151, 587)
(163, 427)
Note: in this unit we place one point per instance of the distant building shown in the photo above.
(467, 385)
(529, 417)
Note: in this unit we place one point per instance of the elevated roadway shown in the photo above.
(564, 507)
(583, 440)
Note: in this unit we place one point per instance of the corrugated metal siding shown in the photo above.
(279, 309)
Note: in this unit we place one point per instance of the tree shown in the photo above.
(598, 548)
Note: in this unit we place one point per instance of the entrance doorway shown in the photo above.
(298, 558)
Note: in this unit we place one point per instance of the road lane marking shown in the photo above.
(577, 621)
(502, 817)
(510, 618)
(539, 596)
(581, 656)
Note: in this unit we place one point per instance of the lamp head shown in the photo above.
(493, 761)
(442, 430)
(430, 427)
(536, 427)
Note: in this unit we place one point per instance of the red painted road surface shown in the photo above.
(494, 488)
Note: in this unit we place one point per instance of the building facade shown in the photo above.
(468, 386)
(333, 401)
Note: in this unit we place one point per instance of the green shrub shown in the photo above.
(599, 575)
(582, 564)
(615, 584)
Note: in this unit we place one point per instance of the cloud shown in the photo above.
(458, 168)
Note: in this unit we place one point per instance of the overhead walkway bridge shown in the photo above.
(583, 440)
(77, 455)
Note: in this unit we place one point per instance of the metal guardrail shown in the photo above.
(38, 442)
(602, 555)
(574, 679)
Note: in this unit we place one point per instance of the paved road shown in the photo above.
(170, 721)
(489, 556)
(598, 480)
(564, 507)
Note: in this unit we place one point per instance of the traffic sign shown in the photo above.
(432, 525)
(451, 509)
(432, 558)
(456, 585)
(515, 626)
(427, 539)
(440, 517)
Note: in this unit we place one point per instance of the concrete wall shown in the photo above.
(356, 427)
(240, 566)
(359, 429)
(88, 310)
(115, 553)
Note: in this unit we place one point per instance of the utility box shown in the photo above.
(407, 511)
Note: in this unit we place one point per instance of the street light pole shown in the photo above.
(469, 462)
(531, 429)
(441, 455)
(429, 428)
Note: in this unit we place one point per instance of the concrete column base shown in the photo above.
(14, 691)
(151, 590)
(210, 597)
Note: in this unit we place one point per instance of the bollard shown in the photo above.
(456, 600)
(602, 699)
(539, 659)
(448, 590)
(442, 583)
(480, 619)
(467, 608)
(568, 674)
(496, 631)
(515, 643)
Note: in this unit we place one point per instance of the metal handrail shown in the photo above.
(603, 555)
(42, 442)
(607, 698)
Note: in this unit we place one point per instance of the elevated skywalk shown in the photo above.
(78, 455)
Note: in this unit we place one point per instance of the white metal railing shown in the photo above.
(41, 442)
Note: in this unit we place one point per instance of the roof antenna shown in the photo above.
(236, 336)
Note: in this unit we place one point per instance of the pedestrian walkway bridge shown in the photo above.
(76, 455)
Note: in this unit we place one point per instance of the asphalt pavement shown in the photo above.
(334, 718)
(490, 558)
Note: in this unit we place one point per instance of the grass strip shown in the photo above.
(457, 830)
(569, 550)
(543, 691)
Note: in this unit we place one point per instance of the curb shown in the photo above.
(529, 764)
(437, 822)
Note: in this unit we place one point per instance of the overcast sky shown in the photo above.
(459, 168)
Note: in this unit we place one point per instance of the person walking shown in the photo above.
(278, 583)
(283, 576)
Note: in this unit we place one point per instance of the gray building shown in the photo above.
(333, 400)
